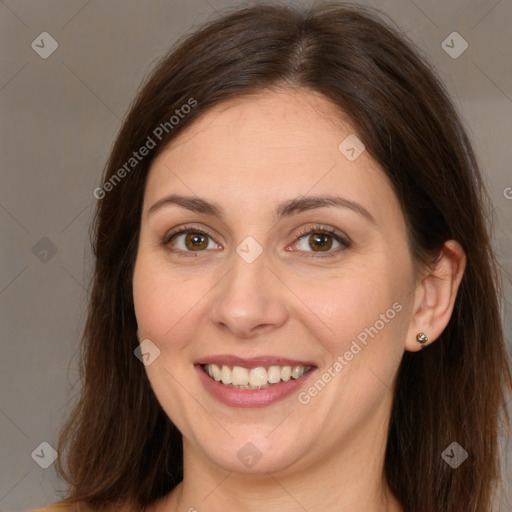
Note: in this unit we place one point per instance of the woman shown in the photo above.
(295, 302)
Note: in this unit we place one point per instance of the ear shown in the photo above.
(434, 297)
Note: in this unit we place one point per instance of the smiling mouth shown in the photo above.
(238, 377)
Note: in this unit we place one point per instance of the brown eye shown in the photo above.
(196, 241)
(189, 240)
(320, 241)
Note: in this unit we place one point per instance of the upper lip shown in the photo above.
(252, 362)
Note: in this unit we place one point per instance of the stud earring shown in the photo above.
(422, 338)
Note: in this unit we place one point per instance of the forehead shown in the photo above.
(272, 146)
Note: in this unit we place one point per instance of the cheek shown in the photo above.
(353, 302)
(160, 300)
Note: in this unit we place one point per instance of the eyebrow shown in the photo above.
(285, 209)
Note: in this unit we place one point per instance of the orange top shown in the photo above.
(58, 507)
(81, 507)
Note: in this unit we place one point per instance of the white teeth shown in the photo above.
(286, 373)
(274, 374)
(239, 376)
(255, 378)
(217, 373)
(297, 371)
(258, 376)
(226, 375)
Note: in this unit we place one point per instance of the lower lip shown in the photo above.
(251, 397)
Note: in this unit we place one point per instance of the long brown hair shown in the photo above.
(118, 445)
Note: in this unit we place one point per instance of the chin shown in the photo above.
(253, 451)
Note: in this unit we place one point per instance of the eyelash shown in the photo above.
(310, 230)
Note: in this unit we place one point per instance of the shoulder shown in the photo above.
(78, 507)
(56, 507)
(60, 507)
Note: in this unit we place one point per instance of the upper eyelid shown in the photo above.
(181, 230)
(299, 234)
(322, 228)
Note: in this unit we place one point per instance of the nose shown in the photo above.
(249, 300)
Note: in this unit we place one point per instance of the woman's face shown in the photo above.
(270, 287)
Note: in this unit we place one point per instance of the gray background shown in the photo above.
(60, 116)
